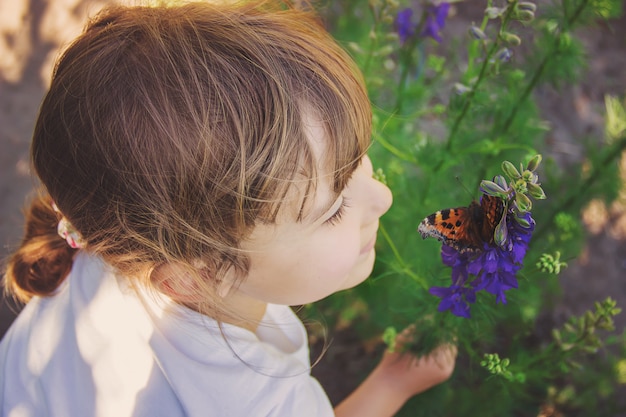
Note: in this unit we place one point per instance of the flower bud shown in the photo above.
(522, 221)
(477, 33)
(501, 181)
(492, 189)
(525, 16)
(493, 12)
(529, 176)
(511, 38)
(504, 55)
(526, 5)
(520, 186)
(379, 175)
(533, 163)
(510, 170)
(523, 203)
(536, 191)
(501, 233)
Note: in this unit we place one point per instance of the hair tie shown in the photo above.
(68, 232)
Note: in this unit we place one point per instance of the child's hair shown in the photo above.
(169, 132)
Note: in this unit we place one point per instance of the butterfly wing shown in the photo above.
(455, 227)
(492, 211)
(465, 228)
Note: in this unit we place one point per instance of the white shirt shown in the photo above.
(100, 348)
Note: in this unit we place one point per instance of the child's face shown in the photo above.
(331, 249)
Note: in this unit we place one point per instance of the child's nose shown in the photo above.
(378, 194)
(381, 198)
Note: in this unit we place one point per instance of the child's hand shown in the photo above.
(408, 375)
(398, 377)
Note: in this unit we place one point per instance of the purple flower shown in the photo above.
(498, 283)
(404, 26)
(436, 20)
(492, 269)
(455, 298)
(457, 261)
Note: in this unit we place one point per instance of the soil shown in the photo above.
(33, 31)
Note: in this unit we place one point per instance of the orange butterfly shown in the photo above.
(465, 228)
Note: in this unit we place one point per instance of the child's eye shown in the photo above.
(336, 217)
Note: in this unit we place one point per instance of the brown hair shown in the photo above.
(169, 132)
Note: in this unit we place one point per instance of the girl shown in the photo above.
(205, 167)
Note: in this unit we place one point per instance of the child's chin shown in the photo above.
(361, 272)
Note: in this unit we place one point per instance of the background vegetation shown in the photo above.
(447, 112)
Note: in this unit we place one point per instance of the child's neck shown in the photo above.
(248, 311)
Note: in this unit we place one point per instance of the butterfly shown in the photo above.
(465, 228)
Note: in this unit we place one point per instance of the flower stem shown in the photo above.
(533, 82)
(541, 68)
(373, 41)
(403, 266)
(481, 77)
(469, 98)
(407, 63)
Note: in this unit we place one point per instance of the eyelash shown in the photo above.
(336, 217)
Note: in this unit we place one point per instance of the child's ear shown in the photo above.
(177, 282)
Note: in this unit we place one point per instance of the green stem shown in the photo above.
(532, 84)
(612, 154)
(470, 96)
(472, 52)
(407, 63)
(403, 266)
(373, 41)
(481, 77)
(407, 58)
(541, 68)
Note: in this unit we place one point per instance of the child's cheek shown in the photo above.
(338, 257)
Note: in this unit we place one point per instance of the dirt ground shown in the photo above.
(33, 31)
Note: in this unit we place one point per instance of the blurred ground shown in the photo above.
(33, 31)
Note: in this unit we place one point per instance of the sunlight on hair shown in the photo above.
(174, 3)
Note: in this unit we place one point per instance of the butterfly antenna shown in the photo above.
(469, 193)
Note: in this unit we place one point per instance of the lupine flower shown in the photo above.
(456, 299)
(492, 267)
(436, 20)
(404, 25)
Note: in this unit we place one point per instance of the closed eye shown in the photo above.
(336, 217)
